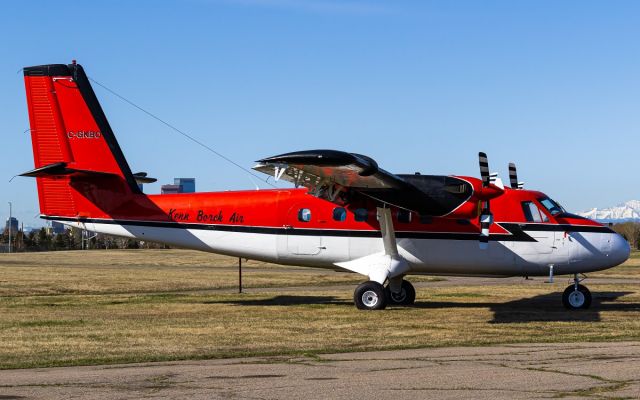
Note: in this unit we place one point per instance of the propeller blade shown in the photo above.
(484, 169)
(486, 219)
(513, 176)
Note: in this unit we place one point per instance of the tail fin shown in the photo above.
(78, 162)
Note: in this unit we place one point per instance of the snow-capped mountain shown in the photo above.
(623, 212)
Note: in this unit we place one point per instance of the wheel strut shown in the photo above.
(577, 279)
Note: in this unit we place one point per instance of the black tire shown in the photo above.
(406, 297)
(580, 300)
(370, 295)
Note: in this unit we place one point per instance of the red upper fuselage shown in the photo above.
(280, 208)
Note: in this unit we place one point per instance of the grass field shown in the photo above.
(71, 308)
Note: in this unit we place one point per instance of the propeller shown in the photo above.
(513, 177)
(486, 218)
(484, 169)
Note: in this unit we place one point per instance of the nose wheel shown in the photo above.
(576, 296)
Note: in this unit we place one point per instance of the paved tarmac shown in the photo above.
(537, 371)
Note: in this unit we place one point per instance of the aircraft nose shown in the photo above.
(620, 249)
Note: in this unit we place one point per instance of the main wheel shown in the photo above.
(370, 296)
(406, 296)
(576, 299)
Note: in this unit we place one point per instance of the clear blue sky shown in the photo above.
(417, 85)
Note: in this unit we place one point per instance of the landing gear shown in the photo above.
(389, 265)
(406, 296)
(370, 295)
(576, 296)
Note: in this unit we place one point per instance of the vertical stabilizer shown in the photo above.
(77, 158)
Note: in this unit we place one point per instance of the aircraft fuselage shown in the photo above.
(268, 225)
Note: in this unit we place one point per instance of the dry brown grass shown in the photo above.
(130, 306)
(140, 271)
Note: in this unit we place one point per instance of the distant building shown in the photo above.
(180, 185)
(12, 223)
(187, 185)
(57, 227)
(170, 189)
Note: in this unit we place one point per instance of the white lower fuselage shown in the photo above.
(567, 252)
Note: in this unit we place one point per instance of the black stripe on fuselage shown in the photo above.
(510, 226)
(516, 231)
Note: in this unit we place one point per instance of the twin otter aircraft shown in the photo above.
(345, 212)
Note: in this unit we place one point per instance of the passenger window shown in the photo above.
(404, 216)
(532, 213)
(304, 215)
(463, 221)
(339, 214)
(426, 219)
(361, 214)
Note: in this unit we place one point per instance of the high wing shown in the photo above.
(330, 174)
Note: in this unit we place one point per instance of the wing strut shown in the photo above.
(398, 266)
(388, 233)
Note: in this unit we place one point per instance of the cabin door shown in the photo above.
(301, 237)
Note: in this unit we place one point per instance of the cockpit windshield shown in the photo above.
(551, 206)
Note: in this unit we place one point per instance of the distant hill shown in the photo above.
(629, 211)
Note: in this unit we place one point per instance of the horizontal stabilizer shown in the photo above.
(142, 178)
(61, 169)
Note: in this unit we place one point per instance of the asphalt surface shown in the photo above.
(538, 371)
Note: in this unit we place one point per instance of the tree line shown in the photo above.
(70, 239)
(630, 231)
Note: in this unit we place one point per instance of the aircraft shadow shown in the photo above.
(549, 307)
(543, 308)
(284, 301)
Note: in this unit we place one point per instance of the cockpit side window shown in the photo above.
(532, 213)
(551, 206)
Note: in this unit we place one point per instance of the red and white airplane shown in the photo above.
(345, 212)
